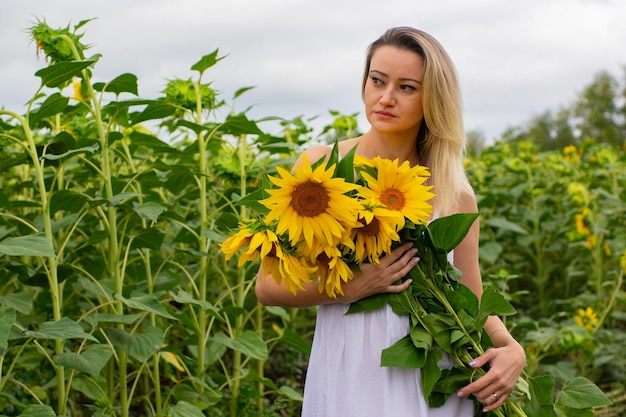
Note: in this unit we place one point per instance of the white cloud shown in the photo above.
(515, 59)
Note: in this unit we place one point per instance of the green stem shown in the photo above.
(113, 249)
(202, 330)
(477, 348)
(241, 277)
(53, 281)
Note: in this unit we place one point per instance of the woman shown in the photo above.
(413, 104)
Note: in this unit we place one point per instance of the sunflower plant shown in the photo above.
(319, 222)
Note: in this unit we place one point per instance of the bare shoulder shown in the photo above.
(467, 201)
(346, 145)
(315, 153)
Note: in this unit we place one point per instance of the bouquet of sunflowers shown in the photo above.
(323, 220)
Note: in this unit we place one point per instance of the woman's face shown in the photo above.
(393, 91)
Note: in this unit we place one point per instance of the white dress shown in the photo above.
(344, 376)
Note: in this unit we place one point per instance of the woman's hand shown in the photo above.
(505, 365)
(382, 278)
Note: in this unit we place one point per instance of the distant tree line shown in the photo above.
(598, 112)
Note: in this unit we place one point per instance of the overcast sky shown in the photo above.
(515, 58)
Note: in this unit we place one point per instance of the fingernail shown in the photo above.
(472, 363)
(416, 260)
(460, 394)
(485, 409)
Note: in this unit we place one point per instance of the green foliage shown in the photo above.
(114, 299)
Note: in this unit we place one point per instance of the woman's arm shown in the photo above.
(370, 280)
(507, 359)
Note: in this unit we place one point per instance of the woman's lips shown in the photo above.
(384, 114)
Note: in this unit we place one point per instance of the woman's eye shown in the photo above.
(407, 87)
(376, 80)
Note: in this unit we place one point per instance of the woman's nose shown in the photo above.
(387, 97)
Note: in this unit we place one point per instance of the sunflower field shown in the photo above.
(116, 301)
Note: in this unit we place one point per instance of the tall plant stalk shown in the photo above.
(50, 262)
(240, 290)
(113, 252)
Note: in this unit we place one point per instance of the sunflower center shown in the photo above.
(393, 199)
(370, 229)
(309, 199)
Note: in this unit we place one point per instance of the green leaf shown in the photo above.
(403, 354)
(541, 404)
(38, 411)
(239, 124)
(249, 343)
(492, 303)
(206, 62)
(503, 224)
(252, 200)
(125, 83)
(58, 74)
(92, 388)
(140, 346)
(447, 232)
(62, 329)
(121, 198)
(581, 393)
(150, 238)
(90, 149)
(449, 383)
(431, 371)
(184, 409)
(241, 91)
(54, 104)
(31, 245)
(293, 339)
(97, 318)
(184, 297)
(290, 393)
(190, 394)
(90, 361)
(7, 318)
(490, 252)
(154, 110)
(150, 210)
(21, 301)
(345, 164)
(403, 303)
(68, 201)
(146, 302)
(371, 303)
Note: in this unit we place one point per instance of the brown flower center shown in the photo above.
(370, 229)
(309, 199)
(393, 199)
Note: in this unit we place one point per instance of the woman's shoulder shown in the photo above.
(467, 200)
(465, 203)
(314, 153)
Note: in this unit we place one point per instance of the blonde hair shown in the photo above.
(441, 140)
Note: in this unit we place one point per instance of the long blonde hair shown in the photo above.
(441, 140)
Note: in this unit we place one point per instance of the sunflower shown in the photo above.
(586, 318)
(332, 270)
(288, 270)
(257, 236)
(311, 205)
(399, 188)
(378, 231)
